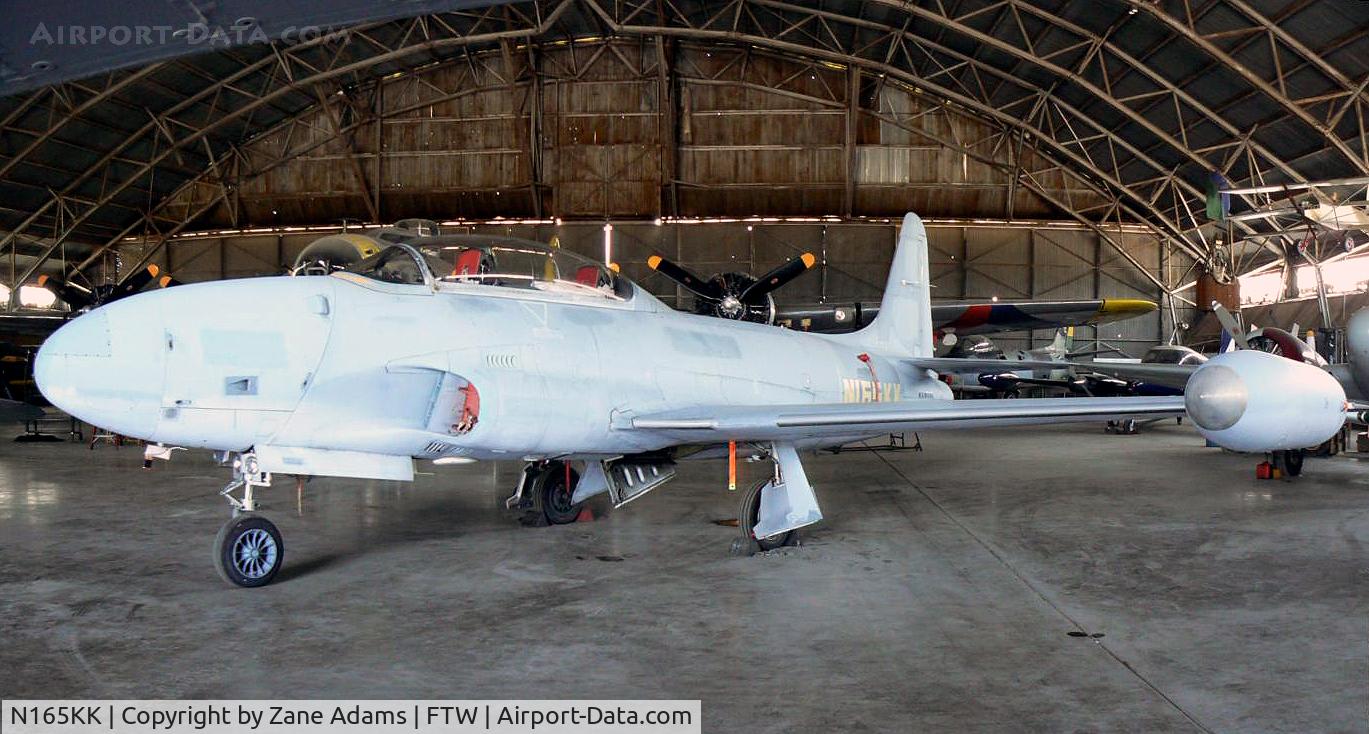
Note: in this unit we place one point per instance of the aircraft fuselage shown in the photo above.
(354, 364)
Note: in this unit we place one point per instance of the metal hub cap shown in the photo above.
(254, 553)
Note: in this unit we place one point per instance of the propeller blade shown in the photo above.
(1228, 323)
(134, 282)
(778, 277)
(166, 281)
(73, 295)
(698, 286)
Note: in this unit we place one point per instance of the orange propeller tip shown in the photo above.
(43, 279)
(654, 261)
(615, 267)
(165, 281)
(808, 259)
(153, 270)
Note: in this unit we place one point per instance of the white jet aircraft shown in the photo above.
(479, 348)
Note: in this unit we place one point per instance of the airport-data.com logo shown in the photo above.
(192, 34)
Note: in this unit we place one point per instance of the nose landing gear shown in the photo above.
(248, 551)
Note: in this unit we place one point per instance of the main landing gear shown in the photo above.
(544, 494)
(775, 508)
(749, 515)
(248, 551)
(1288, 462)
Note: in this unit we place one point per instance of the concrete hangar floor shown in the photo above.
(1054, 579)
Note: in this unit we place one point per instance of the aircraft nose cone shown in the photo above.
(85, 337)
(93, 370)
(1216, 397)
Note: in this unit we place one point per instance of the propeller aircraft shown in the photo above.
(740, 296)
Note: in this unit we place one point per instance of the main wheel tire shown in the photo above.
(1293, 461)
(552, 495)
(750, 515)
(248, 551)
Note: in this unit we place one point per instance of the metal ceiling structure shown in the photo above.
(1137, 103)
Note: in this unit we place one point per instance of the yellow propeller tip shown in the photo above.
(654, 261)
(615, 267)
(808, 259)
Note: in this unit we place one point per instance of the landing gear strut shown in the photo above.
(248, 551)
(1288, 462)
(544, 494)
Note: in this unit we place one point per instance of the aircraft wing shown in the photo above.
(973, 318)
(822, 420)
(988, 318)
(1168, 375)
(971, 364)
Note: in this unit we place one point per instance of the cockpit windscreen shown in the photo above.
(526, 265)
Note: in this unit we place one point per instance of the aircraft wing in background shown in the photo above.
(1167, 375)
(972, 318)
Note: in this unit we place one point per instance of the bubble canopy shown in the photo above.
(501, 262)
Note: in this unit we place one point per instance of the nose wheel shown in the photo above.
(248, 551)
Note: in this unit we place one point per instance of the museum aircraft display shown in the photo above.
(740, 296)
(495, 348)
(970, 318)
(1076, 377)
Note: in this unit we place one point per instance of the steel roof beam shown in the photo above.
(287, 88)
(111, 89)
(1256, 81)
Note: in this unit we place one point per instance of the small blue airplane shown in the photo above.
(464, 348)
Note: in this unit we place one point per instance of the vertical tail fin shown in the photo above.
(904, 325)
(1061, 342)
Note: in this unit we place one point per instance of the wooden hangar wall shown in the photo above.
(1047, 261)
(595, 129)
